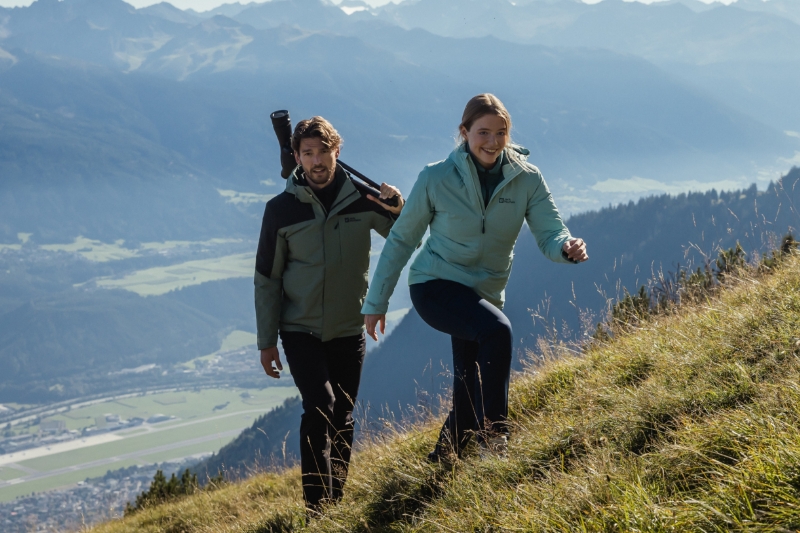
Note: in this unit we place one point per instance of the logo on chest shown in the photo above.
(506, 200)
(352, 219)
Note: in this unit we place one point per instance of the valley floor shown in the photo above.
(194, 423)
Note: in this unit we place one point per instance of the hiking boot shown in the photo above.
(442, 457)
(494, 447)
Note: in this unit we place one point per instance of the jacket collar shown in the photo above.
(513, 153)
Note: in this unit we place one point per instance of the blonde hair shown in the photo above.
(482, 105)
(316, 127)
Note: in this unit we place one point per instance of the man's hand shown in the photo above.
(269, 356)
(388, 191)
(373, 320)
(576, 250)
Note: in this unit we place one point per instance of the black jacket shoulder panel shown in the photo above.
(363, 204)
(282, 211)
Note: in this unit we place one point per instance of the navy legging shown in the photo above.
(482, 343)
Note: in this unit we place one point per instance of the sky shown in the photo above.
(205, 5)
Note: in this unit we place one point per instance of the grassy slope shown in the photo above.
(689, 423)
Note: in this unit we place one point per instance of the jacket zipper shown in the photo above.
(484, 208)
(334, 206)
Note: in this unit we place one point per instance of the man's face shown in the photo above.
(318, 162)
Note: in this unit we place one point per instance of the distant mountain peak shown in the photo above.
(167, 11)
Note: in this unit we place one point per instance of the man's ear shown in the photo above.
(297, 157)
(337, 152)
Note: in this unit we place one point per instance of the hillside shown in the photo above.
(271, 440)
(627, 243)
(687, 422)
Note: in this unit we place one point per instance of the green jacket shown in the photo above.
(468, 243)
(312, 267)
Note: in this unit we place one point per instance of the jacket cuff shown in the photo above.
(566, 258)
(267, 342)
(374, 309)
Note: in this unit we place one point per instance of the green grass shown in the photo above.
(7, 472)
(688, 422)
(62, 480)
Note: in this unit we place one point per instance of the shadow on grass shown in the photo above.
(285, 521)
(403, 497)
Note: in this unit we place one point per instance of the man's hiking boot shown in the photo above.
(442, 457)
(494, 447)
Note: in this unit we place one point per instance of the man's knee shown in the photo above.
(321, 404)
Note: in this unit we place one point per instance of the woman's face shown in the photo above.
(486, 138)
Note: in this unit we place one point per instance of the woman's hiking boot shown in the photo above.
(496, 446)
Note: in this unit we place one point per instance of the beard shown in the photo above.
(320, 178)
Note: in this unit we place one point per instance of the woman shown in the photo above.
(474, 203)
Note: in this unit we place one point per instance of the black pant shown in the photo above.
(482, 344)
(328, 375)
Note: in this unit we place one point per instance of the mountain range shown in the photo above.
(147, 125)
(157, 102)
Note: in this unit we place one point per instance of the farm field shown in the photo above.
(102, 252)
(161, 280)
(233, 341)
(6, 473)
(184, 405)
(205, 420)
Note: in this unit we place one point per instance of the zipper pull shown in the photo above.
(483, 224)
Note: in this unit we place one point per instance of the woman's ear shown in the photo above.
(463, 132)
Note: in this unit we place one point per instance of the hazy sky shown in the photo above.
(204, 5)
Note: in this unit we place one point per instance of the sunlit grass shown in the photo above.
(688, 422)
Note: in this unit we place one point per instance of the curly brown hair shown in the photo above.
(316, 127)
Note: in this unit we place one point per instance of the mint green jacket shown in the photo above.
(468, 243)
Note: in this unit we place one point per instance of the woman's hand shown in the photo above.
(373, 320)
(388, 191)
(576, 250)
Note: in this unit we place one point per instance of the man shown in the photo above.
(310, 281)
